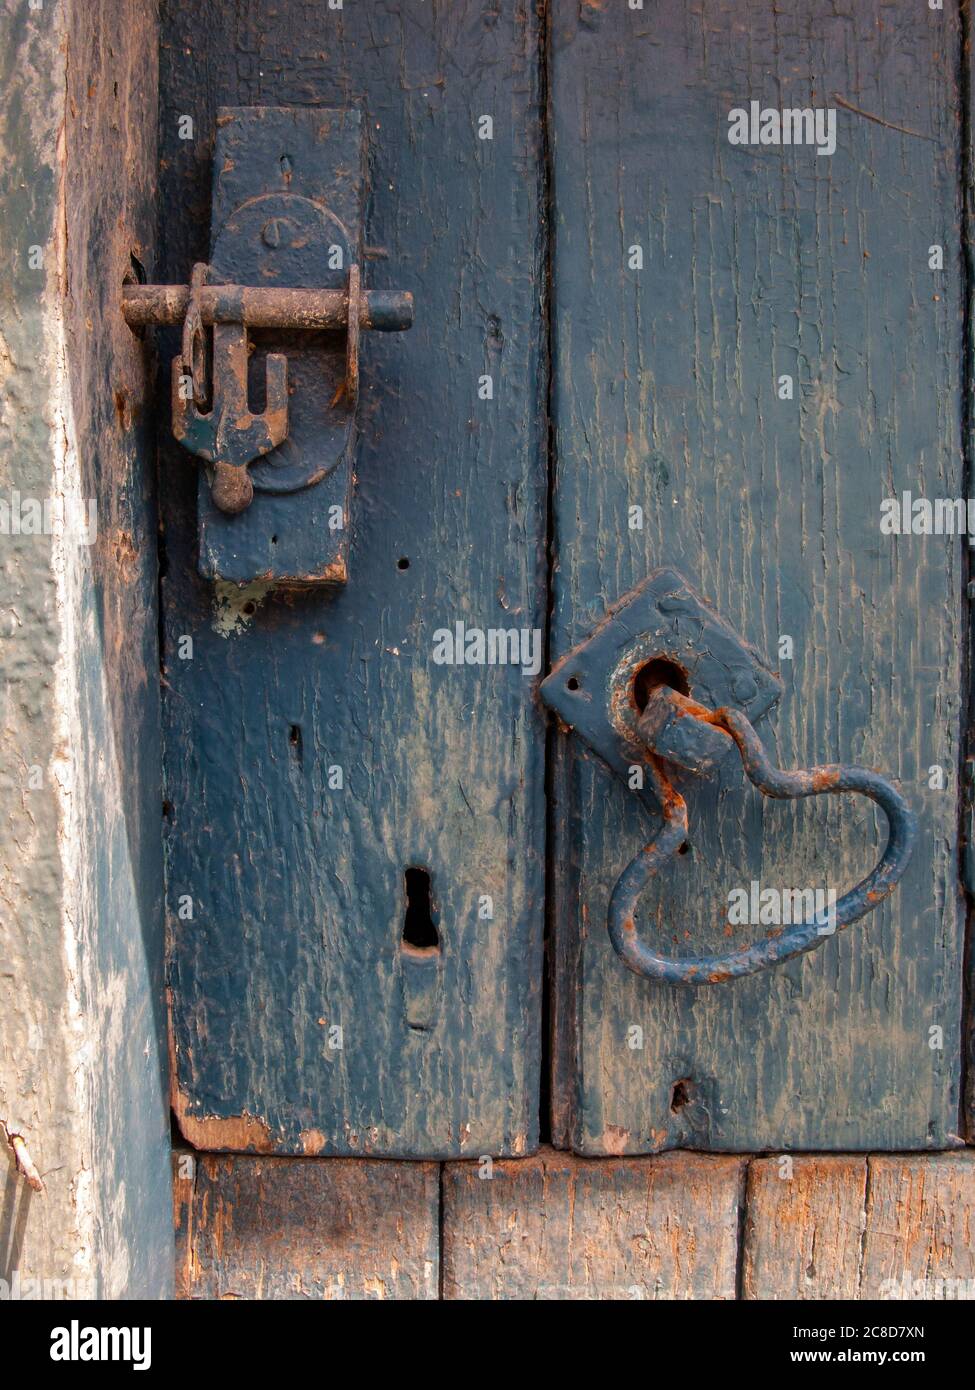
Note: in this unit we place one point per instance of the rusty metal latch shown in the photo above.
(216, 424)
(616, 690)
(265, 383)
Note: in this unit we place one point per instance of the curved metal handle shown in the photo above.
(771, 781)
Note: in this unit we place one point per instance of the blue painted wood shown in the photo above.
(297, 884)
(758, 263)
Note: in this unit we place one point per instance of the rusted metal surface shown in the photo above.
(259, 306)
(668, 725)
(795, 939)
(664, 625)
(216, 424)
(228, 435)
(616, 689)
(281, 298)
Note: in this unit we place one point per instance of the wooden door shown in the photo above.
(646, 337)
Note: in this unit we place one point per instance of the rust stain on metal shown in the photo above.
(25, 1164)
(383, 311)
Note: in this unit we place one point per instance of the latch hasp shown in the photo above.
(288, 202)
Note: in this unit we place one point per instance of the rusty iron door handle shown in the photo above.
(771, 781)
(618, 690)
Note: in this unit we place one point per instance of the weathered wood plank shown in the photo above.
(297, 885)
(803, 1234)
(760, 263)
(82, 1052)
(558, 1227)
(853, 1227)
(968, 769)
(277, 1228)
(920, 1228)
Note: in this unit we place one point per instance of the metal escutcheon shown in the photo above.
(596, 690)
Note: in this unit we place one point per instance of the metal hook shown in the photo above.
(771, 781)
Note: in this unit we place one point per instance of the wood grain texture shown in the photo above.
(298, 887)
(919, 1240)
(82, 1053)
(803, 1235)
(558, 1227)
(968, 768)
(760, 262)
(273, 1228)
(887, 1227)
(115, 843)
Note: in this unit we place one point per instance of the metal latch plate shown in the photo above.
(594, 689)
(288, 195)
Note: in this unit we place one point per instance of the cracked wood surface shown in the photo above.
(855, 1227)
(558, 1227)
(278, 1228)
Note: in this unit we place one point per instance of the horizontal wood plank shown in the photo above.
(278, 1228)
(857, 1227)
(557, 1227)
(920, 1229)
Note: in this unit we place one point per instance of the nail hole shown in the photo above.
(653, 675)
(274, 540)
(419, 929)
(681, 1094)
(684, 849)
(294, 738)
(572, 683)
(402, 563)
(249, 607)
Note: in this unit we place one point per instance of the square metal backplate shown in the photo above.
(661, 625)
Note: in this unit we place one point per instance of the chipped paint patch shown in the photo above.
(312, 1141)
(234, 605)
(242, 1133)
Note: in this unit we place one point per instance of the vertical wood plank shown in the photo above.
(557, 1227)
(760, 262)
(270, 1228)
(298, 885)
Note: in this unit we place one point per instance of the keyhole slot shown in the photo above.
(294, 742)
(420, 933)
(654, 674)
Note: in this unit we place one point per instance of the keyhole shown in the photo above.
(419, 931)
(294, 739)
(653, 675)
